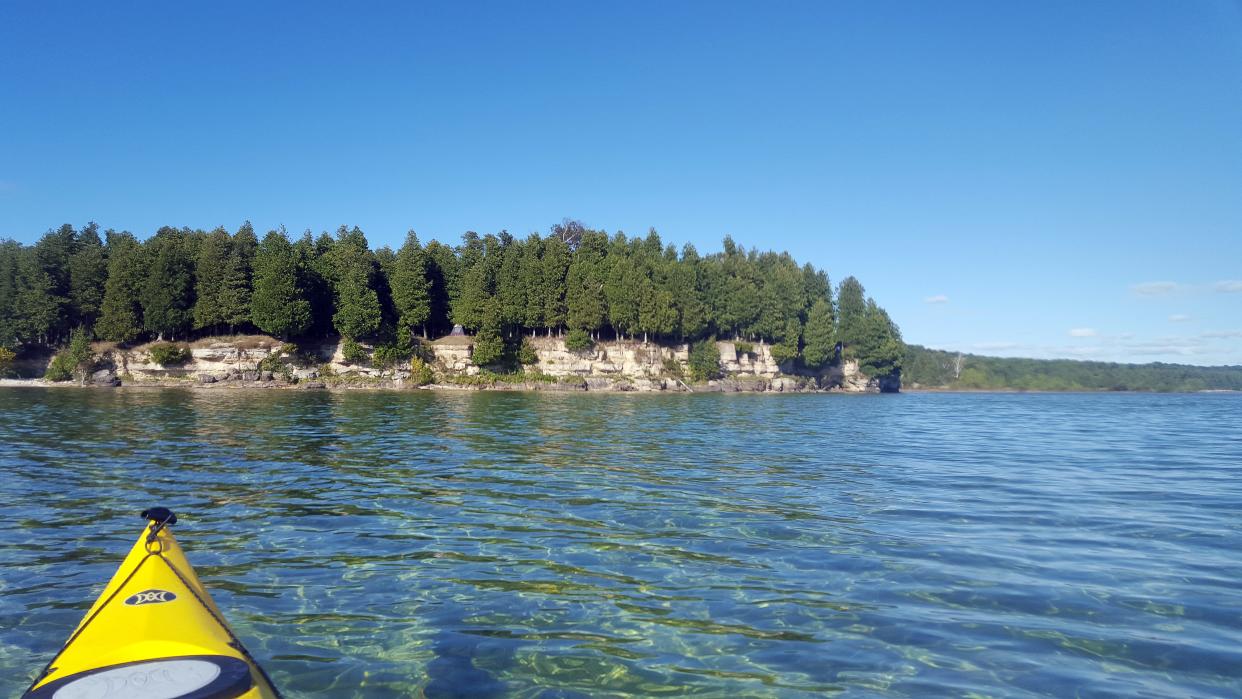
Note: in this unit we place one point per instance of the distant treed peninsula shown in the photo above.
(588, 285)
(931, 368)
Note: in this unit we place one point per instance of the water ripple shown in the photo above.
(396, 544)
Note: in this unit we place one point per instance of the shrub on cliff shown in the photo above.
(578, 340)
(169, 354)
(353, 352)
(6, 359)
(420, 372)
(526, 353)
(74, 359)
(704, 360)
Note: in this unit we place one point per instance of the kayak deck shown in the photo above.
(154, 633)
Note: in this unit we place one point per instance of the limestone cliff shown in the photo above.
(617, 366)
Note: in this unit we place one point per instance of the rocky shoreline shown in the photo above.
(260, 362)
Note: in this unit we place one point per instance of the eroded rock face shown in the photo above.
(627, 365)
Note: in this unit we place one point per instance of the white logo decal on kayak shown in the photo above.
(149, 597)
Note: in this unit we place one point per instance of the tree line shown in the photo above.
(182, 283)
(941, 369)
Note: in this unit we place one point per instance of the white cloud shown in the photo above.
(1179, 318)
(1154, 288)
(1230, 286)
(1082, 332)
(1222, 334)
(938, 298)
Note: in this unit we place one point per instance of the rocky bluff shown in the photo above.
(607, 366)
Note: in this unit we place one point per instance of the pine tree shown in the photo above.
(10, 251)
(819, 336)
(444, 277)
(358, 312)
(555, 264)
(120, 317)
(238, 282)
(530, 269)
(509, 289)
(789, 345)
(411, 289)
(489, 346)
(879, 348)
(168, 292)
(209, 271)
(584, 284)
(277, 305)
(88, 274)
(851, 311)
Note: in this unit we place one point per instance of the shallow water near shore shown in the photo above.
(546, 545)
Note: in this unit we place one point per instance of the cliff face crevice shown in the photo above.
(627, 365)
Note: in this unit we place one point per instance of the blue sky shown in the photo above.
(1041, 179)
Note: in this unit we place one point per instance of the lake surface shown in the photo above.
(544, 545)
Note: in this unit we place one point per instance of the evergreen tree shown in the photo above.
(120, 317)
(36, 305)
(851, 311)
(168, 292)
(358, 313)
(10, 252)
(555, 264)
(411, 288)
(277, 305)
(88, 274)
(687, 295)
(819, 335)
(316, 271)
(209, 272)
(530, 269)
(444, 278)
(788, 347)
(623, 288)
(584, 284)
(509, 289)
(879, 348)
(238, 282)
(489, 346)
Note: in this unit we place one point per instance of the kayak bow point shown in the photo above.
(154, 633)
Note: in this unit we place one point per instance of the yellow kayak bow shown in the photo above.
(154, 633)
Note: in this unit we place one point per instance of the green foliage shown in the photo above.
(704, 360)
(489, 346)
(673, 368)
(278, 305)
(7, 356)
(789, 346)
(411, 288)
(588, 282)
(169, 354)
(819, 336)
(879, 348)
(121, 314)
(938, 368)
(420, 372)
(526, 352)
(851, 311)
(168, 292)
(744, 347)
(578, 340)
(353, 352)
(388, 356)
(75, 360)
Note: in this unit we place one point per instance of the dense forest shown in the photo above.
(588, 285)
(937, 368)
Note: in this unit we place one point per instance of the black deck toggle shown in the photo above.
(160, 515)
